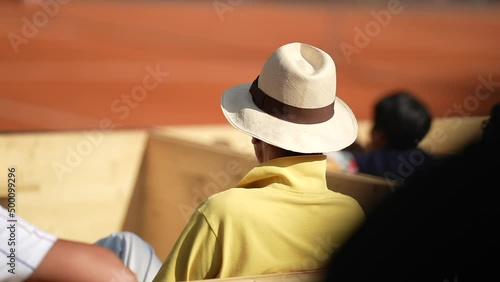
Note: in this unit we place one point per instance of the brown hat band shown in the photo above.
(286, 112)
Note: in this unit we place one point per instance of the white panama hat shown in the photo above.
(292, 104)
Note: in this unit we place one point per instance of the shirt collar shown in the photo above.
(307, 172)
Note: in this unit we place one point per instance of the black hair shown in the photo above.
(403, 119)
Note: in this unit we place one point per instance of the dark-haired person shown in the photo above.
(401, 121)
(281, 217)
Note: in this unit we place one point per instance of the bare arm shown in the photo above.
(74, 262)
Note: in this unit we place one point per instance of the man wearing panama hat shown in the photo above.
(281, 217)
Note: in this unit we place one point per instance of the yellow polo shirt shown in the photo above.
(281, 217)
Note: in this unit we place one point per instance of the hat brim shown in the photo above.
(332, 135)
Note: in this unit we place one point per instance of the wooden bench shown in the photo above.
(368, 190)
(446, 135)
(176, 176)
(303, 276)
(77, 185)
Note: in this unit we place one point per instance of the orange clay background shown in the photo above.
(82, 58)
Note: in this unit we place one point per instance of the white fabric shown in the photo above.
(31, 246)
(302, 76)
(135, 253)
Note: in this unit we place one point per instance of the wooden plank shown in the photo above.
(178, 176)
(76, 185)
(219, 135)
(368, 190)
(450, 135)
(446, 136)
(303, 276)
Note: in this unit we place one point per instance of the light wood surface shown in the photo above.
(367, 190)
(177, 175)
(451, 135)
(304, 276)
(89, 198)
(446, 135)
